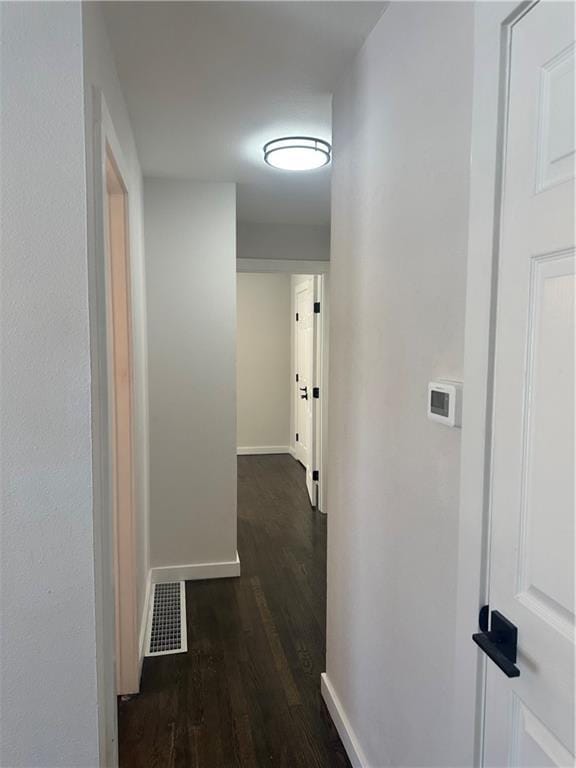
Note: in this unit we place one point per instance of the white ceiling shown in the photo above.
(208, 83)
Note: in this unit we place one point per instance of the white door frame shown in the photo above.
(295, 427)
(321, 269)
(321, 350)
(493, 25)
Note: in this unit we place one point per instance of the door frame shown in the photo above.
(316, 283)
(103, 135)
(294, 385)
(124, 526)
(321, 271)
(493, 23)
(321, 350)
(318, 438)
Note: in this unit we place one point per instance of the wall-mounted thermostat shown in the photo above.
(445, 402)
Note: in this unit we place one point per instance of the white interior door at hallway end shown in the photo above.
(304, 403)
(529, 719)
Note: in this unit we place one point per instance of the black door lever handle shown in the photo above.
(500, 644)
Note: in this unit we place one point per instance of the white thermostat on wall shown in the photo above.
(445, 402)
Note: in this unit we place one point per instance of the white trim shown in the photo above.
(345, 730)
(144, 619)
(103, 499)
(261, 450)
(196, 571)
(292, 452)
(290, 266)
(321, 381)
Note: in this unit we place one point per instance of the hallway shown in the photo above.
(247, 692)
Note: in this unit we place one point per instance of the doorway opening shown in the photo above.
(282, 358)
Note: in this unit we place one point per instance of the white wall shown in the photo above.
(264, 349)
(283, 241)
(48, 648)
(190, 234)
(399, 224)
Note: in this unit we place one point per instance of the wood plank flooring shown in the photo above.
(247, 693)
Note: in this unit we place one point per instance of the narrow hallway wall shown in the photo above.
(304, 242)
(401, 133)
(190, 238)
(264, 350)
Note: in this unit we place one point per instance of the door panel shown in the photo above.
(548, 459)
(305, 384)
(535, 745)
(529, 720)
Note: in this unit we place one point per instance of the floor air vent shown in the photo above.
(166, 631)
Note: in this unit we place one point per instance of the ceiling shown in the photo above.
(208, 83)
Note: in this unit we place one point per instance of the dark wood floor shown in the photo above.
(247, 693)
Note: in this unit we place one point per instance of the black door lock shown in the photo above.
(500, 642)
(305, 395)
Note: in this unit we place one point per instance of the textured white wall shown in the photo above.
(283, 241)
(399, 229)
(264, 349)
(190, 236)
(48, 646)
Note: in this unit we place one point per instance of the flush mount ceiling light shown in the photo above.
(297, 153)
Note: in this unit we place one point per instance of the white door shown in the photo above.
(529, 719)
(305, 380)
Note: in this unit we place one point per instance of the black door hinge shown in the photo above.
(316, 392)
(297, 377)
(315, 475)
(297, 317)
(297, 436)
(316, 307)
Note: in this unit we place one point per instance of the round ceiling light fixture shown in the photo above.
(297, 153)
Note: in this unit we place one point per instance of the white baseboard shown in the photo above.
(261, 450)
(196, 571)
(292, 451)
(144, 620)
(347, 735)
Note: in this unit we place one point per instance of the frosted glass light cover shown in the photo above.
(297, 153)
